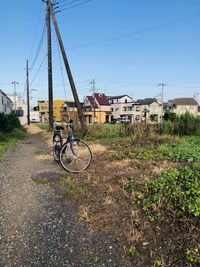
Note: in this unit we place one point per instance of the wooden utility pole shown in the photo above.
(70, 77)
(50, 78)
(27, 90)
(94, 103)
(162, 99)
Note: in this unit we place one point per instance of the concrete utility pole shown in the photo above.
(27, 90)
(50, 78)
(70, 77)
(15, 83)
(162, 99)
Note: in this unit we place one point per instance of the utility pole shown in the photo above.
(15, 83)
(94, 91)
(50, 78)
(27, 92)
(69, 73)
(162, 99)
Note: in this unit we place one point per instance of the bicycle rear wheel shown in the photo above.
(77, 158)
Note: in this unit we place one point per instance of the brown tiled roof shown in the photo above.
(185, 101)
(102, 99)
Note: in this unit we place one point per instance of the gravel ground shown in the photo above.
(38, 227)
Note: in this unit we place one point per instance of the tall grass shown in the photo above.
(10, 131)
(185, 124)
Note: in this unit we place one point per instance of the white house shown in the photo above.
(6, 105)
(124, 108)
(21, 110)
(121, 107)
(151, 110)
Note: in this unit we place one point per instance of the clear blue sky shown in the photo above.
(134, 64)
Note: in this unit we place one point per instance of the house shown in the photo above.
(21, 109)
(182, 105)
(151, 110)
(69, 111)
(122, 108)
(97, 109)
(6, 104)
(44, 110)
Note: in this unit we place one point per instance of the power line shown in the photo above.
(36, 30)
(80, 4)
(39, 46)
(61, 69)
(135, 33)
(39, 69)
(68, 3)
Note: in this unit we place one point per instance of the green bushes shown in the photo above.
(8, 122)
(10, 131)
(185, 124)
(176, 191)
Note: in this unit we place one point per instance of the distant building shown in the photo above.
(6, 104)
(69, 111)
(97, 109)
(150, 110)
(44, 110)
(21, 109)
(123, 107)
(182, 105)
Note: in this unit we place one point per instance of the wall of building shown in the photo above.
(186, 108)
(6, 105)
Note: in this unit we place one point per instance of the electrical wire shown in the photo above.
(39, 46)
(61, 69)
(38, 69)
(135, 33)
(82, 3)
(36, 30)
(68, 3)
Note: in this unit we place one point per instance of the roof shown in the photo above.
(117, 97)
(185, 101)
(92, 101)
(102, 99)
(147, 101)
(5, 95)
(72, 104)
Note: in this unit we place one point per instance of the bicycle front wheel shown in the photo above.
(75, 157)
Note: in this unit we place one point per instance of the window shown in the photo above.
(125, 100)
(129, 108)
(111, 109)
(137, 109)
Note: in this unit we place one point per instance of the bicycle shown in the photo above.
(74, 155)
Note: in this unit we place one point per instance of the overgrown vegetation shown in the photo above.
(10, 131)
(176, 192)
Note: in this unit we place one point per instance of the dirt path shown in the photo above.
(40, 227)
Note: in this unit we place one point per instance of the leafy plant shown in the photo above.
(193, 255)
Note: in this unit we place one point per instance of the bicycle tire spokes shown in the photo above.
(75, 156)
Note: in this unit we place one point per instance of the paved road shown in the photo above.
(38, 226)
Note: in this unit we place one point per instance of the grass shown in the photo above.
(8, 140)
(43, 126)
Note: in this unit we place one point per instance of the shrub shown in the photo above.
(9, 122)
